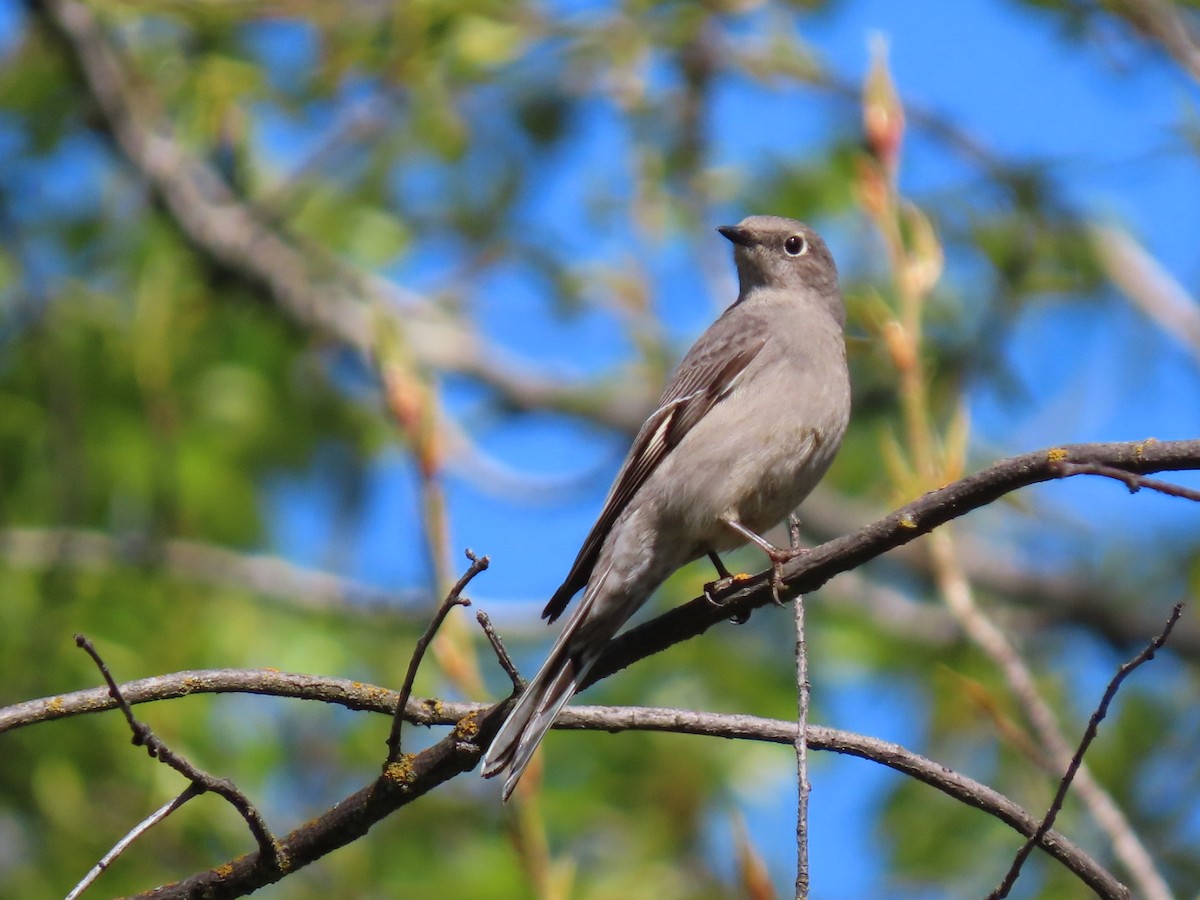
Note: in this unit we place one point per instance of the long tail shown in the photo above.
(573, 654)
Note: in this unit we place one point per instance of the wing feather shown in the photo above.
(704, 378)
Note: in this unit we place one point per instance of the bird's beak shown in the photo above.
(737, 234)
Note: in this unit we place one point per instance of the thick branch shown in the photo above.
(1069, 596)
(809, 572)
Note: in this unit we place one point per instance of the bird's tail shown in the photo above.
(573, 654)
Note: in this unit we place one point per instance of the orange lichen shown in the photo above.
(401, 771)
(468, 727)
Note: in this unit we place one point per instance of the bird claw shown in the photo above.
(778, 557)
(777, 581)
(714, 589)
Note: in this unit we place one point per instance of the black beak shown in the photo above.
(737, 234)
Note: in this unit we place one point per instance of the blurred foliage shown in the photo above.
(144, 392)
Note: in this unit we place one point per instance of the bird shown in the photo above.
(747, 425)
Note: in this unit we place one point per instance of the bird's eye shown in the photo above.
(796, 245)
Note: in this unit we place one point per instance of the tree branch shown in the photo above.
(1164, 22)
(268, 850)
(371, 801)
(803, 788)
(1066, 596)
(1089, 735)
(809, 572)
(502, 657)
(1148, 284)
(453, 598)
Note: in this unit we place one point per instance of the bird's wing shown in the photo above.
(705, 377)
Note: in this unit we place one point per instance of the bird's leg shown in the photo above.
(777, 555)
(722, 572)
(713, 589)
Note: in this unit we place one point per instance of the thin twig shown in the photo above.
(192, 790)
(453, 599)
(412, 400)
(1089, 735)
(990, 638)
(357, 124)
(506, 663)
(144, 737)
(802, 784)
(1131, 480)
(803, 788)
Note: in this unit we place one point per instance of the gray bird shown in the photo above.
(747, 426)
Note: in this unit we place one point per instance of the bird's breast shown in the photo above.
(757, 471)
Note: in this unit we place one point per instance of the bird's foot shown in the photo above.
(722, 572)
(779, 556)
(713, 590)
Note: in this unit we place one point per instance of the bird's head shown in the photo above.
(776, 252)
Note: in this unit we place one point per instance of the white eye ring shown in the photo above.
(795, 245)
